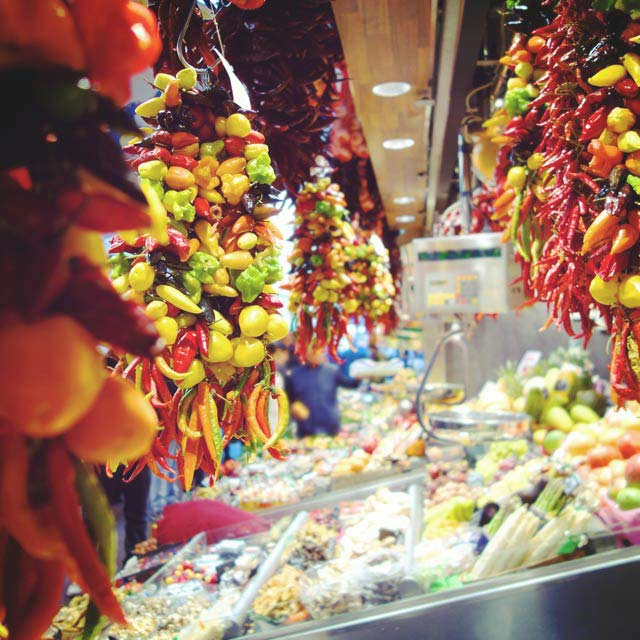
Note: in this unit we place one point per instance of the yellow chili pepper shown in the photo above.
(237, 260)
(620, 119)
(608, 76)
(628, 142)
(211, 195)
(234, 186)
(632, 163)
(631, 62)
(231, 165)
(205, 173)
(599, 230)
(220, 290)
(177, 298)
(167, 371)
(158, 214)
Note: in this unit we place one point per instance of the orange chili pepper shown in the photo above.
(504, 199)
(208, 414)
(190, 451)
(601, 229)
(64, 499)
(253, 426)
(605, 158)
(626, 236)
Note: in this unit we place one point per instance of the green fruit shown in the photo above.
(628, 498)
(582, 413)
(591, 398)
(535, 404)
(557, 418)
(553, 440)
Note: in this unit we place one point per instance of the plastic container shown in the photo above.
(380, 575)
(624, 524)
(330, 589)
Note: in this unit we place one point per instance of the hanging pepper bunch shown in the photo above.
(372, 300)
(320, 276)
(207, 279)
(63, 183)
(568, 173)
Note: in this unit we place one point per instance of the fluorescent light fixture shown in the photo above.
(405, 218)
(396, 144)
(401, 200)
(391, 89)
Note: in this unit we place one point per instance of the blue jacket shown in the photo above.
(317, 388)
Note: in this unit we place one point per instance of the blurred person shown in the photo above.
(313, 393)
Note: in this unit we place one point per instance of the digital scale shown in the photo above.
(449, 278)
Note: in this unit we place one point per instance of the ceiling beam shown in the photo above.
(462, 32)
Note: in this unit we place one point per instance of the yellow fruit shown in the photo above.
(121, 284)
(538, 436)
(253, 321)
(277, 327)
(196, 375)
(248, 352)
(238, 125)
(51, 374)
(221, 324)
(220, 347)
(141, 276)
(168, 329)
(156, 309)
(604, 292)
(120, 425)
(629, 292)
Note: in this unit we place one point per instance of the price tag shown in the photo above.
(529, 360)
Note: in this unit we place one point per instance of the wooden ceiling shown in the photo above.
(392, 41)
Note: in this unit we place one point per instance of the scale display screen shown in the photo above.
(464, 274)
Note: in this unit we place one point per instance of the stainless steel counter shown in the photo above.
(596, 597)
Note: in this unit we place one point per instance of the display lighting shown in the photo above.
(402, 200)
(391, 89)
(404, 219)
(396, 144)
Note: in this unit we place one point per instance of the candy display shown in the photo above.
(63, 183)
(205, 277)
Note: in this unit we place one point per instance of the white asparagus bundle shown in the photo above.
(546, 543)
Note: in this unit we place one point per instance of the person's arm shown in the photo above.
(345, 381)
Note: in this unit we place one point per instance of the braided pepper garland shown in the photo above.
(205, 277)
(63, 183)
(335, 274)
(568, 172)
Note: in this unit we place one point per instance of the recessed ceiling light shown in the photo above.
(404, 200)
(395, 144)
(404, 219)
(391, 89)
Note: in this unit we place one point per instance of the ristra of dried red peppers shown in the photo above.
(568, 172)
(205, 274)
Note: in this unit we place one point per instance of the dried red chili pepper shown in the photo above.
(184, 350)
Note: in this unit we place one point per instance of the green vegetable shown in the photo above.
(264, 270)
(179, 204)
(610, 5)
(511, 4)
(323, 207)
(317, 261)
(516, 101)
(192, 285)
(260, 170)
(118, 265)
(211, 148)
(250, 283)
(155, 185)
(203, 266)
(634, 183)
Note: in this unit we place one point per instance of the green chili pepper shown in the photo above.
(119, 265)
(203, 266)
(179, 204)
(515, 216)
(260, 170)
(192, 285)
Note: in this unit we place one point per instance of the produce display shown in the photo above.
(568, 175)
(205, 276)
(63, 182)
